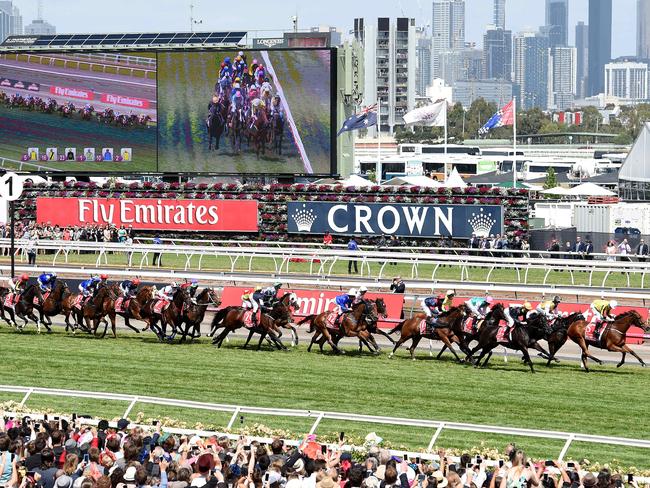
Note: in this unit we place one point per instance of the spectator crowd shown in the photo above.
(60, 454)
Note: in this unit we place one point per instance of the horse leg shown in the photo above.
(449, 345)
(248, 339)
(262, 336)
(543, 352)
(430, 348)
(313, 341)
(414, 345)
(403, 338)
(527, 359)
(294, 334)
(379, 331)
(487, 359)
(444, 348)
(328, 337)
(484, 351)
(624, 349)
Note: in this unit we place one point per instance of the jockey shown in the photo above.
(88, 287)
(226, 67)
(518, 313)
(479, 306)
(253, 93)
(18, 284)
(46, 281)
(270, 294)
(236, 87)
(344, 303)
(191, 287)
(276, 107)
(549, 308)
(444, 303)
(430, 307)
(361, 294)
(260, 74)
(167, 293)
(237, 101)
(602, 310)
(266, 87)
(129, 287)
(249, 303)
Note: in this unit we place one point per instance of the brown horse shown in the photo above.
(24, 308)
(259, 132)
(169, 315)
(194, 313)
(53, 304)
(232, 318)
(134, 308)
(448, 330)
(281, 313)
(100, 305)
(352, 324)
(611, 339)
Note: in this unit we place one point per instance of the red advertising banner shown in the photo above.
(80, 93)
(125, 101)
(151, 213)
(318, 301)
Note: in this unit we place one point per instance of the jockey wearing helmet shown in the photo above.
(479, 306)
(602, 310)
(276, 107)
(266, 87)
(444, 303)
(237, 101)
(89, 286)
(361, 294)
(129, 287)
(167, 293)
(260, 74)
(18, 284)
(549, 308)
(191, 287)
(518, 313)
(270, 294)
(431, 307)
(250, 303)
(46, 281)
(344, 303)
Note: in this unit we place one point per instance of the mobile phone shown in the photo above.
(266, 477)
(31, 473)
(545, 476)
(74, 416)
(241, 419)
(549, 463)
(527, 464)
(37, 426)
(417, 460)
(323, 449)
(406, 457)
(154, 423)
(571, 465)
(469, 466)
(630, 478)
(501, 463)
(45, 417)
(86, 458)
(421, 478)
(247, 448)
(341, 436)
(161, 458)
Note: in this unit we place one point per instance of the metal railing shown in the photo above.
(322, 262)
(436, 426)
(9, 163)
(84, 64)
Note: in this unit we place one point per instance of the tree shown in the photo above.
(551, 179)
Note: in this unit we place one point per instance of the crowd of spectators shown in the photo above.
(615, 251)
(88, 233)
(59, 454)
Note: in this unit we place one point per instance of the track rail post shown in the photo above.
(435, 436)
(130, 407)
(233, 418)
(27, 395)
(316, 422)
(567, 444)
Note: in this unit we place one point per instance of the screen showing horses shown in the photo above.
(82, 112)
(245, 111)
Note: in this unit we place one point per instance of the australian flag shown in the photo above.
(364, 119)
(502, 118)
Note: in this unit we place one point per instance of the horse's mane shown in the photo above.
(629, 313)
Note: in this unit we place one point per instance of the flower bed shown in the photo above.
(273, 198)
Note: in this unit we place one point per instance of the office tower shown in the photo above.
(497, 54)
(423, 62)
(499, 19)
(447, 30)
(627, 80)
(562, 77)
(531, 70)
(389, 65)
(600, 44)
(11, 22)
(557, 22)
(461, 65)
(582, 58)
(643, 29)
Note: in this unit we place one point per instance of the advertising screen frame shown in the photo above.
(334, 99)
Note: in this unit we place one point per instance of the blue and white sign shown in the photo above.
(401, 219)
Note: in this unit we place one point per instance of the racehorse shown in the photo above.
(559, 334)
(24, 308)
(100, 305)
(232, 318)
(258, 131)
(169, 315)
(352, 324)
(53, 304)
(611, 339)
(281, 313)
(236, 124)
(277, 133)
(215, 123)
(134, 307)
(194, 313)
(448, 330)
(518, 337)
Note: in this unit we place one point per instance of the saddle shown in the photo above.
(122, 304)
(45, 297)
(160, 306)
(504, 334)
(428, 327)
(590, 331)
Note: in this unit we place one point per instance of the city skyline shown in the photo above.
(71, 16)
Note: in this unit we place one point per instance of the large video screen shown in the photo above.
(225, 112)
(245, 112)
(79, 112)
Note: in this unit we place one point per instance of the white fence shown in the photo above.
(373, 264)
(436, 426)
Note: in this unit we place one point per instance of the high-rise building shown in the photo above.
(11, 22)
(627, 80)
(461, 65)
(423, 62)
(498, 92)
(562, 77)
(643, 29)
(531, 70)
(39, 27)
(600, 44)
(497, 54)
(389, 64)
(557, 22)
(447, 30)
(499, 20)
(582, 58)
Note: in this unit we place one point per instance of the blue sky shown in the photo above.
(173, 15)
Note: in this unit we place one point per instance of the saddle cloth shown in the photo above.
(331, 319)
(468, 326)
(504, 334)
(248, 319)
(10, 300)
(160, 306)
(45, 297)
(590, 332)
(77, 301)
(121, 304)
(423, 326)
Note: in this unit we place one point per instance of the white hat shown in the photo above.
(362, 288)
(129, 474)
(199, 482)
(352, 291)
(293, 483)
(613, 304)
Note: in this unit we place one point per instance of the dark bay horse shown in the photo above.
(53, 304)
(232, 318)
(168, 316)
(236, 124)
(281, 313)
(352, 324)
(24, 308)
(612, 337)
(194, 313)
(277, 133)
(449, 330)
(134, 307)
(215, 123)
(259, 131)
(97, 308)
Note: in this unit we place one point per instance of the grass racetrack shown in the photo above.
(607, 401)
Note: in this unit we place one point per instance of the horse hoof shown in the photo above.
(390, 356)
(619, 365)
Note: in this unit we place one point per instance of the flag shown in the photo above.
(502, 118)
(431, 115)
(366, 118)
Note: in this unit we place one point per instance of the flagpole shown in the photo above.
(446, 173)
(378, 177)
(514, 142)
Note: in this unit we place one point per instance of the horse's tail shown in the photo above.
(220, 316)
(310, 319)
(396, 328)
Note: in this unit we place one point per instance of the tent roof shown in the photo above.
(413, 180)
(590, 190)
(558, 190)
(355, 180)
(636, 166)
(454, 180)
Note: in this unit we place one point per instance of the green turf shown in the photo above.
(608, 401)
(443, 273)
